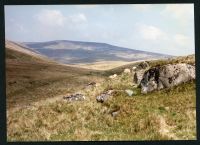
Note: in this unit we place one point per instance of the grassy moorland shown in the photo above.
(30, 78)
(36, 109)
(162, 115)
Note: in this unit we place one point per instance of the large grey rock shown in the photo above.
(142, 65)
(137, 77)
(166, 76)
(139, 72)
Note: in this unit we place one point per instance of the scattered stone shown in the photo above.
(113, 76)
(129, 92)
(167, 76)
(104, 96)
(90, 85)
(134, 68)
(75, 97)
(167, 108)
(127, 70)
(115, 113)
(110, 92)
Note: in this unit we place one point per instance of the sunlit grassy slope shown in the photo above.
(162, 115)
(29, 78)
(36, 110)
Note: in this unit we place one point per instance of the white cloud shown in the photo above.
(56, 18)
(149, 32)
(77, 18)
(51, 18)
(179, 11)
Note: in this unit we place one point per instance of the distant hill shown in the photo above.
(74, 52)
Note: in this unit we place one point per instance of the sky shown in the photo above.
(161, 28)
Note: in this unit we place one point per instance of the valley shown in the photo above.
(37, 83)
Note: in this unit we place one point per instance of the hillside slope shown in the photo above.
(29, 75)
(162, 115)
(76, 52)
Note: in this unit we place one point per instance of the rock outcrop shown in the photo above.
(139, 72)
(166, 76)
(138, 76)
(142, 65)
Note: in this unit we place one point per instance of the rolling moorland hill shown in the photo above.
(37, 111)
(76, 52)
(29, 74)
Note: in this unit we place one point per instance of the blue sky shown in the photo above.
(163, 28)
